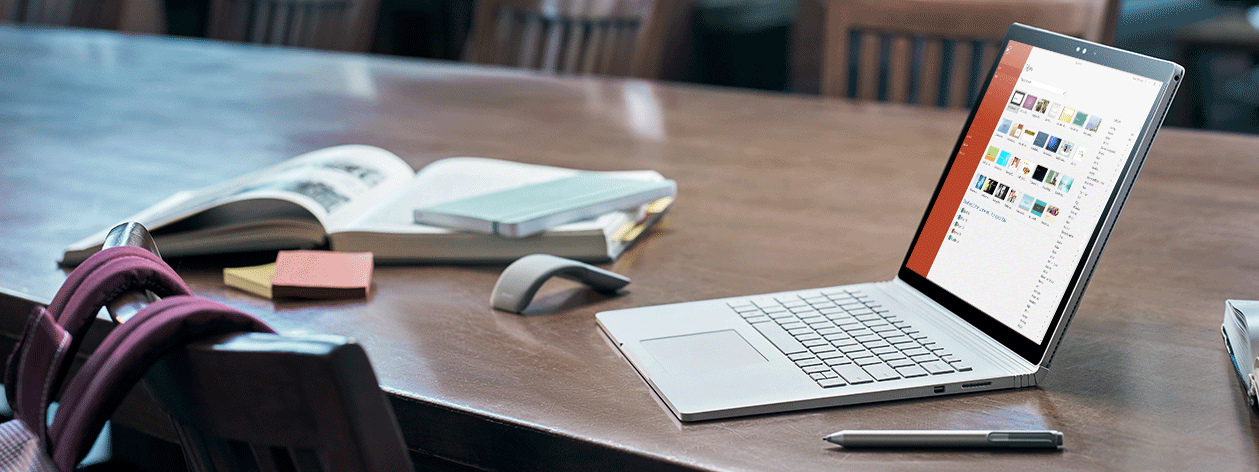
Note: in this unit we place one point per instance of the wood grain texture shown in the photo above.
(776, 192)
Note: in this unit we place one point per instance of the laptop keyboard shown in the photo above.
(841, 337)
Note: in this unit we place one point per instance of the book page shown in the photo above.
(331, 185)
(462, 177)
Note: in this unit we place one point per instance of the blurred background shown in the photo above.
(787, 46)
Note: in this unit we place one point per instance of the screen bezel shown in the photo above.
(1166, 72)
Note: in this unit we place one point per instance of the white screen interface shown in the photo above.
(1048, 167)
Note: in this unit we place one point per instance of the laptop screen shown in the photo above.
(1031, 182)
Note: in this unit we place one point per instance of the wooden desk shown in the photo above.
(776, 192)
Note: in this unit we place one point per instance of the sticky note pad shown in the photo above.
(253, 279)
(322, 274)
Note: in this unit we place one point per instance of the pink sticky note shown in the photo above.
(322, 274)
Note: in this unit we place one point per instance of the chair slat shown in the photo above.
(929, 72)
(899, 64)
(959, 73)
(530, 39)
(868, 62)
(572, 51)
(554, 39)
(590, 56)
(582, 36)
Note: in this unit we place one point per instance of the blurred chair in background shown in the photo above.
(605, 37)
(345, 25)
(134, 16)
(938, 52)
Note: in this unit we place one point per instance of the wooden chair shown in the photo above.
(606, 37)
(267, 402)
(937, 52)
(134, 16)
(345, 25)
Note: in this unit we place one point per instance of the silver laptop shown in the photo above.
(1046, 158)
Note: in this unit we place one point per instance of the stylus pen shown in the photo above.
(923, 438)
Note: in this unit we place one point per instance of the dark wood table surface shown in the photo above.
(776, 192)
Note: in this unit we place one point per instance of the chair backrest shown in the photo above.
(937, 52)
(605, 37)
(269, 402)
(137, 16)
(345, 25)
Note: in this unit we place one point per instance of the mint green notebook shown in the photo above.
(534, 208)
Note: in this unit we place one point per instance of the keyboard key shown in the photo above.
(814, 361)
(912, 371)
(830, 330)
(814, 342)
(937, 367)
(879, 351)
(891, 356)
(863, 311)
(806, 336)
(859, 354)
(799, 331)
(867, 338)
(875, 344)
(862, 331)
(757, 319)
(897, 339)
(865, 361)
(742, 306)
(917, 351)
(924, 358)
(813, 369)
(817, 376)
(851, 348)
(837, 361)
(866, 317)
(783, 341)
(906, 345)
(961, 367)
(812, 318)
(828, 383)
(821, 325)
(790, 325)
(826, 305)
(799, 356)
(775, 309)
(853, 374)
(838, 337)
(801, 309)
(882, 372)
(822, 348)
(830, 355)
(845, 341)
(886, 330)
(898, 363)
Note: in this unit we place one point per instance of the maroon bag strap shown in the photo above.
(122, 359)
(100, 279)
(47, 347)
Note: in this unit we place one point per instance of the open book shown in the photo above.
(359, 198)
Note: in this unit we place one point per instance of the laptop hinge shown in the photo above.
(1025, 372)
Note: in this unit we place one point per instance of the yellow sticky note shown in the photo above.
(253, 279)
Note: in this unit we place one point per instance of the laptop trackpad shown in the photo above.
(702, 352)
